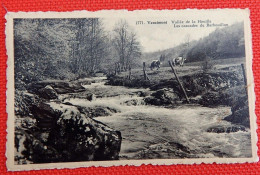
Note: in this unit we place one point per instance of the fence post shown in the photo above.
(145, 74)
(174, 72)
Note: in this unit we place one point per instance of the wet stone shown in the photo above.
(48, 93)
(162, 97)
(135, 102)
(224, 129)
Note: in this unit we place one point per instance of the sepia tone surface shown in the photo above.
(132, 88)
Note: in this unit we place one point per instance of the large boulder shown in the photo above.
(64, 133)
(61, 87)
(162, 97)
(29, 149)
(47, 93)
(45, 115)
(80, 138)
(240, 112)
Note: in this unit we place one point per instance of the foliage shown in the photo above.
(89, 45)
(69, 48)
(40, 47)
(126, 44)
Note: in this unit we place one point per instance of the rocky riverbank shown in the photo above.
(221, 88)
(51, 115)
(50, 130)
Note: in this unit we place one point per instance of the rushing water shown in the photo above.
(159, 132)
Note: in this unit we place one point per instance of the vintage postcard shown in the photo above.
(111, 88)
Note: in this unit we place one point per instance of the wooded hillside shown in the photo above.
(75, 48)
(223, 43)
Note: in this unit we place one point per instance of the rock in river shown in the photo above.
(240, 112)
(162, 97)
(64, 134)
(48, 93)
(61, 87)
(45, 115)
(226, 129)
(80, 138)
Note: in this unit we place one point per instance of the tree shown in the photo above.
(126, 44)
(89, 46)
(223, 43)
(162, 57)
(187, 40)
(57, 48)
(40, 46)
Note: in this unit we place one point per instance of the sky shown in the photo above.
(154, 37)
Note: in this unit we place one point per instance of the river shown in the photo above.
(158, 132)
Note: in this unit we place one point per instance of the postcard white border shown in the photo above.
(244, 13)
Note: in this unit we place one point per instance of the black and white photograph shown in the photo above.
(129, 88)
